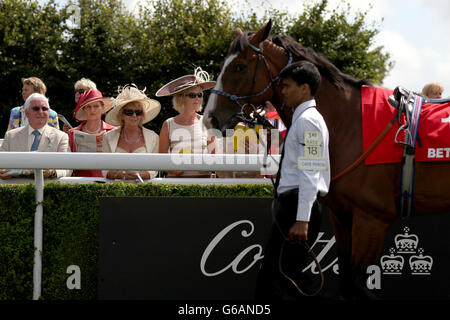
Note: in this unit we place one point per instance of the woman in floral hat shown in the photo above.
(88, 136)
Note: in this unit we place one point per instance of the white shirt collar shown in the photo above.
(302, 107)
(30, 130)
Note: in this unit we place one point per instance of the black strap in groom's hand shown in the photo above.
(277, 179)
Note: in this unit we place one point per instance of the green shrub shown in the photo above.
(70, 234)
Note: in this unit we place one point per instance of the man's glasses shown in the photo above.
(36, 108)
(80, 91)
(130, 112)
(192, 95)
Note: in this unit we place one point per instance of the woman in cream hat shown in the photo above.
(87, 137)
(185, 133)
(131, 109)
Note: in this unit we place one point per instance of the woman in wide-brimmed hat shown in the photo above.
(185, 133)
(88, 136)
(131, 109)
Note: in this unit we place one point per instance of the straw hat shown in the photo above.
(89, 97)
(130, 93)
(200, 78)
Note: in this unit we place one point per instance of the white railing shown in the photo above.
(139, 161)
(121, 161)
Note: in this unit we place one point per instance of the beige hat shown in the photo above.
(200, 78)
(130, 93)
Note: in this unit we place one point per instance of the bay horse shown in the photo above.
(365, 201)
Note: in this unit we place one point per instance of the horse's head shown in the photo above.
(247, 78)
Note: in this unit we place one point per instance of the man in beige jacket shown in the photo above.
(36, 136)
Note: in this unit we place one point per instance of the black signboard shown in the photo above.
(182, 248)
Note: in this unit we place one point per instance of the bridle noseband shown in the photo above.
(244, 115)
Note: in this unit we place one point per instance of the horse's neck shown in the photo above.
(278, 60)
(341, 110)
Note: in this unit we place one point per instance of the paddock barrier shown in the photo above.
(211, 248)
(37, 161)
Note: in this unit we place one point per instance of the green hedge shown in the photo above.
(70, 221)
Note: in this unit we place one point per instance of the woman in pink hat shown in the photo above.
(88, 136)
(185, 133)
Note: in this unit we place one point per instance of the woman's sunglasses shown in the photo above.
(192, 95)
(80, 91)
(130, 112)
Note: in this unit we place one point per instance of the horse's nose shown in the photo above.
(211, 121)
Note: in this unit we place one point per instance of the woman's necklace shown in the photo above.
(93, 132)
(131, 142)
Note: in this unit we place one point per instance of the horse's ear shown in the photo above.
(267, 29)
(263, 33)
(238, 32)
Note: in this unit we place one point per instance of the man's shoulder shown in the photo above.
(15, 111)
(311, 115)
(55, 131)
(15, 131)
(310, 120)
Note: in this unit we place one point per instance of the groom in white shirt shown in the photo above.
(303, 175)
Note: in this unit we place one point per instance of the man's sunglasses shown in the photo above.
(130, 112)
(36, 108)
(80, 91)
(192, 95)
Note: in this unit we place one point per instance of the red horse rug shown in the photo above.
(433, 143)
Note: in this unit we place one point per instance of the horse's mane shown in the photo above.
(326, 68)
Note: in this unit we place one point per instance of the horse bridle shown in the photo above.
(244, 115)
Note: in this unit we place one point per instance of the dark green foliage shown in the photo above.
(17, 207)
(346, 43)
(71, 213)
(161, 41)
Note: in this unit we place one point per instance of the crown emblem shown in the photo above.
(420, 265)
(392, 264)
(406, 243)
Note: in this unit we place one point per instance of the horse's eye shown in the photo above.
(240, 67)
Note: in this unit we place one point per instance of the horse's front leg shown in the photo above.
(368, 233)
(342, 228)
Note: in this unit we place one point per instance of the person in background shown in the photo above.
(245, 140)
(274, 118)
(81, 86)
(17, 116)
(185, 133)
(433, 90)
(88, 136)
(131, 109)
(37, 135)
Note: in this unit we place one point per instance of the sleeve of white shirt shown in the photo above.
(309, 179)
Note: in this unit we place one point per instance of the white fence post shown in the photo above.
(37, 268)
